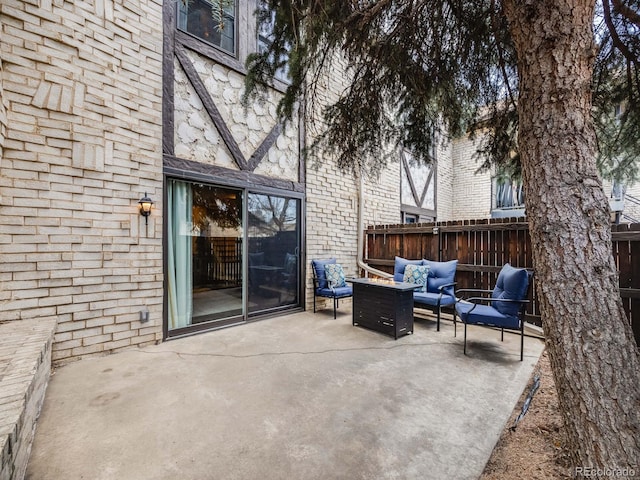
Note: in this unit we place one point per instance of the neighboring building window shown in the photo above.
(265, 37)
(507, 198)
(410, 218)
(197, 18)
(509, 194)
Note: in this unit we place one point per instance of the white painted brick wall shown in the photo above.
(444, 182)
(332, 196)
(471, 191)
(83, 95)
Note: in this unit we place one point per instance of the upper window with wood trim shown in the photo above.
(212, 23)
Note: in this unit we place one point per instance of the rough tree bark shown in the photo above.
(592, 350)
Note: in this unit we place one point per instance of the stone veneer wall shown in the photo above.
(82, 85)
(196, 137)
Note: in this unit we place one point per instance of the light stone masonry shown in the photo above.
(25, 366)
(80, 143)
(471, 192)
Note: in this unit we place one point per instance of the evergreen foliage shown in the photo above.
(427, 69)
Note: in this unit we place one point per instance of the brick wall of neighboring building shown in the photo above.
(82, 85)
(444, 183)
(471, 191)
(631, 208)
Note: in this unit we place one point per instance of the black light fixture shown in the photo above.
(145, 207)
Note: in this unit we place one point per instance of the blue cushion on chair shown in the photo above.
(318, 267)
(431, 299)
(441, 273)
(486, 315)
(512, 284)
(338, 292)
(399, 266)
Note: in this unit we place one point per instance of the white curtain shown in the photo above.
(179, 218)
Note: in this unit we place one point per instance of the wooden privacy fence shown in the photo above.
(482, 247)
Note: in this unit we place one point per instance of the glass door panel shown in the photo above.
(204, 253)
(273, 248)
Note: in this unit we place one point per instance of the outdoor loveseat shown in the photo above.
(437, 280)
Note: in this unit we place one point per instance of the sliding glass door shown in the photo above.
(204, 259)
(273, 239)
(209, 282)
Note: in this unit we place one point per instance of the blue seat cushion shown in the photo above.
(399, 266)
(338, 292)
(318, 268)
(512, 284)
(431, 299)
(441, 273)
(486, 315)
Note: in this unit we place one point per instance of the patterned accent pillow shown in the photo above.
(416, 274)
(335, 275)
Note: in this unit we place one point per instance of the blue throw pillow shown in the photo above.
(512, 284)
(335, 275)
(399, 266)
(417, 274)
(318, 268)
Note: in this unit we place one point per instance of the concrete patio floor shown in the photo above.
(299, 397)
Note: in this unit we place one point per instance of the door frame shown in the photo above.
(246, 188)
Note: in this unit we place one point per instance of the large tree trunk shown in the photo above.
(593, 353)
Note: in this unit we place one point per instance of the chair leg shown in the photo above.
(438, 319)
(335, 306)
(521, 340)
(455, 326)
(502, 334)
(314, 303)
(465, 337)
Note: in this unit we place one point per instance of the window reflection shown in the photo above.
(196, 17)
(204, 253)
(273, 241)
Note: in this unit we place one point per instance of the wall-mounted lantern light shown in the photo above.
(145, 207)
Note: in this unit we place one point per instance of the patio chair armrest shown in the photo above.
(446, 285)
(475, 301)
(472, 290)
(489, 300)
